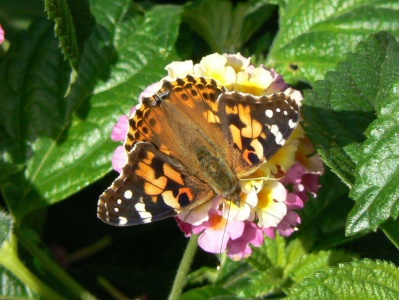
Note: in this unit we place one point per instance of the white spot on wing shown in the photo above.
(122, 220)
(116, 209)
(276, 132)
(277, 109)
(291, 124)
(269, 113)
(144, 215)
(128, 194)
(119, 201)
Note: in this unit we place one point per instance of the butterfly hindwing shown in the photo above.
(152, 186)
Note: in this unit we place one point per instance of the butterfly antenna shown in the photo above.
(221, 243)
(278, 218)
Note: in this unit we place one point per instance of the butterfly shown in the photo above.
(191, 142)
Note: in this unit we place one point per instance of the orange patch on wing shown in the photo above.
(258, 151)
(187, 191)
(245, 114)
(152, 188)
(236, 135)
(169, 199)
(173, 201)
(213, 105)
(148, 159)
(258, 148)
(172, 174)
(211, 117)
(252, 131)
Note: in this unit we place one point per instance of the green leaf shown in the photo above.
(6, 225)
(208, 292)
(341, 107)
(64, 143)
(228, 31)
(275, 266)
(376, 189)
(315, 35)
(390, 229)
(73, 26)
(271, 253)
(324, 217)
(12, 288)
(365, 279)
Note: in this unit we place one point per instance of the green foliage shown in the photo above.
(364, 279)
(361, 94)
(315, 35)
(54, 143)
(271, 269)
(74, 24)
(59, 160)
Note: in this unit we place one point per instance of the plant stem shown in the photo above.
(184, 268)
(52, 266)
(10, 260)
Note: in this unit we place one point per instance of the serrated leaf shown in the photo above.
(376, 189)
(64, 143)
(226, 32)
(308, 264)
(377, 186)
(274, 267)
(339, 109)
(208, 292)
(271, 253)
(365, 279)
(315, 35)
(73, 26)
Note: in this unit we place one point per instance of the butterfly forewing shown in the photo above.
(257, 126)
(188, 102)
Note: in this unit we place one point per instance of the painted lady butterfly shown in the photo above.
(190, 142)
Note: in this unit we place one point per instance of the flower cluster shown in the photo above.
(272, 194)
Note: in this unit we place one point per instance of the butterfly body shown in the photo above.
(191, 142)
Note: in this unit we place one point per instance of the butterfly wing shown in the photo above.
(257, 127)
(151, 187)
(187, 102)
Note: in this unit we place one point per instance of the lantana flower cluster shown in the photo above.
(273, 194)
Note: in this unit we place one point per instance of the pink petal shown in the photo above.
(185, 227)
(311, 182)
(287, 225)
(119, 160)
(121, 129)
(293, 201)
(150, 90)
(270, 232)
(294, 174)
(1, 34)
(213, 241)
(239, 248)
(238, 251)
